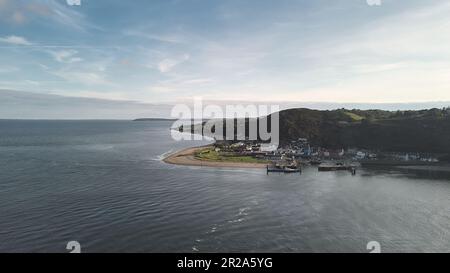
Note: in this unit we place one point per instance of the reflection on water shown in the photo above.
(102, 184)
(412, 172)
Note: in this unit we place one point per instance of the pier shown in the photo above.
(337, 167)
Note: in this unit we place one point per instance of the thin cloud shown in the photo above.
(66, 56)
(18, 18)
(199, 81)
(42, 11)
(8, 69)
(15, 40)
(165, 38)
(85, 78)
(167, 65)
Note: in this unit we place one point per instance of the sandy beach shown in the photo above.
(186, 157)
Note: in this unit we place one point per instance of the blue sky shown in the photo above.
(289, 50)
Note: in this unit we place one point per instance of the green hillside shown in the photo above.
(406, 131)
(425, 131)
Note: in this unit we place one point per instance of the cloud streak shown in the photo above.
(25, 13)
(66, 56)
(169, 64)
(15, 40)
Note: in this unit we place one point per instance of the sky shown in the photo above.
(254, 50)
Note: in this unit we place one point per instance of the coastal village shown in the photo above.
(400, 139)
(291, 157)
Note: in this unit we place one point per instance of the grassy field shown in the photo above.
(210, 154)
(354, 116)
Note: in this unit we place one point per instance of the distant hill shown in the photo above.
(425, 131)
(154, 119)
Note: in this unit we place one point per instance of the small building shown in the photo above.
(360, 155)
(268, 148)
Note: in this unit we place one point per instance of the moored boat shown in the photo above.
(283, 169)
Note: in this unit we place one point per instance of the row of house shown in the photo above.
(301, 149)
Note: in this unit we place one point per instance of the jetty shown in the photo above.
(332, 167)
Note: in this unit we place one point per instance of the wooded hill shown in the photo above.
(425, 131)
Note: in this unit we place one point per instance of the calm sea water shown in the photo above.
(102, 183)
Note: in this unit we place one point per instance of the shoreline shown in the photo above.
(186, 157)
